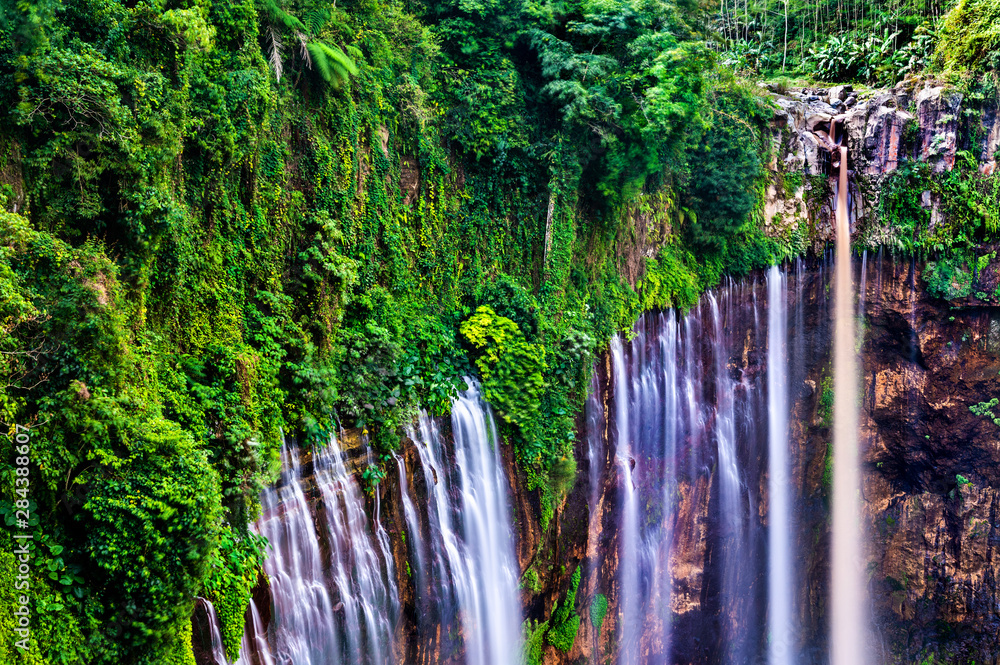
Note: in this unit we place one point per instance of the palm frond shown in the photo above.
(275, 55)
(305, 49)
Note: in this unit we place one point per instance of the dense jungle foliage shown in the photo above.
(856, 41)
(225, 221)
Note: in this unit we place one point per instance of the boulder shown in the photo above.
(840, 93)
(818, 121)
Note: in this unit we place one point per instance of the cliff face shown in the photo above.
(932, 468)
(929, 482)
(930, 437)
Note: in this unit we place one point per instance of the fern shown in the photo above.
(331, 63)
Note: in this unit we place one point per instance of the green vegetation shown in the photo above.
(534, 640)
(840, 41)
(598, 610)
(970, 37)
(221, 221)
(230, 584)
(833, 40)
(565, 621)
(970, 209)
(824, 410)
(985, 410)
(530, 581)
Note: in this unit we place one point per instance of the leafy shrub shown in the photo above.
(598, 610)
(159, 486)
(858, 56)
(948, 278)
(510, 368)
(565, 621)
(533, 640)
(530, 581)
(727, 157)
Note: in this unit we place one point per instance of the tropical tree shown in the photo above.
(314, 52)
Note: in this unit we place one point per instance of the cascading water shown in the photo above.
(733, 510)
(215, 634)
(254, 649)
(700, 416)
(469, 580)
(847, 634)
(781, 612)
(628, 563)
(704, 419)
(333, 594)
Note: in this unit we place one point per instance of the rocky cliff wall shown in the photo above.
(931, 440)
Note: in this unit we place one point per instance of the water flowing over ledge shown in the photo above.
(676, 519)
(333, 578)
(702, 454)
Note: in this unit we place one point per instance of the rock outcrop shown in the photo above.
(920, 121)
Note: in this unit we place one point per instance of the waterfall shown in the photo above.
(701, 406)
(254, 649)
(671, 414)
(627, 558)
(594, 414)
(415, 542)
(215, 634)
(334, 596)
(648, 414)
(471, 578)
(697, 446)
(735, 577)
(847, 634)
(781, 647)
(364, 581)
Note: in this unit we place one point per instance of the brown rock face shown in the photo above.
(933, 466)
(920, 121)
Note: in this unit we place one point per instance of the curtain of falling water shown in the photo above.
(254, 649)
(694, 413)
(733, 511)
(628, 538)
(334, 596)
(781, 646)
(671, 413)
(470, 579)
(847, 634)
(647, 414)
(215, 633)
